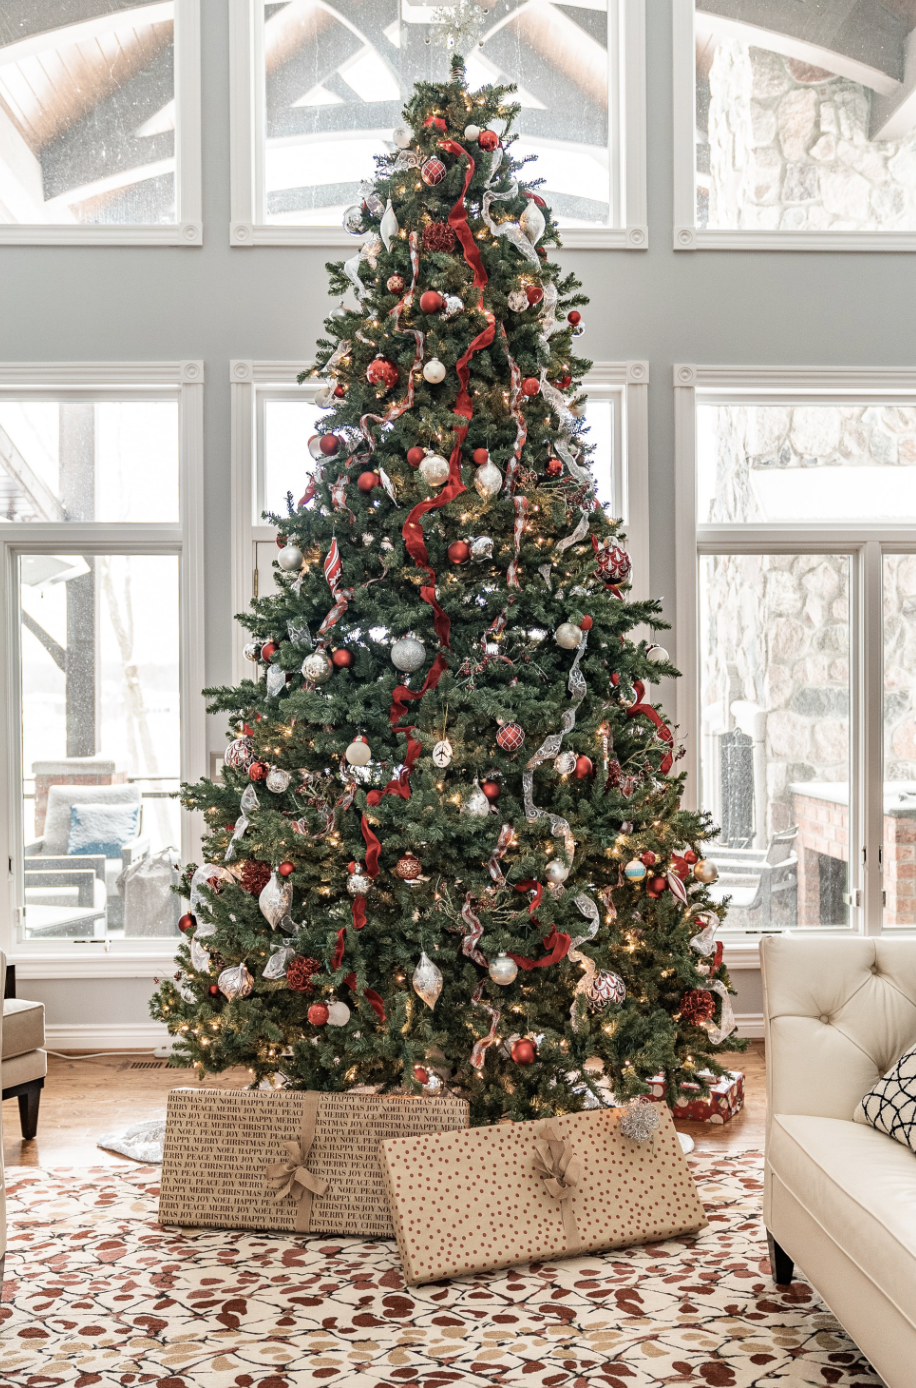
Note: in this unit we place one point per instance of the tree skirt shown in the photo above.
(97, 1292)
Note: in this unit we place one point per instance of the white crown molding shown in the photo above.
(93, 962)
(37, 375)
(42, 234)
(736, 240)
(269, 373)
(763, 380)
(106, 1036)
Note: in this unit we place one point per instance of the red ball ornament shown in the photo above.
(524, 1052)
(340, 391)
(329, 444)
(564, 382)
(396, 284)
(342, 660)
(431, 301)
(318, 1014)
(534, 293)
(382, 372)
(648, 858)
(415, 456)
(488, 139)
(554, 467)
(542, 251)
(583, 767)
(268, 649)
(585, 623)
(286, 869)
(459, 552)
(510, 737)
(574, 317)
(213, 990)
(491, 789)
(656, 886)
(367, 480)
(680, 866)
(530, 385)
(690, 856)
(480, 456)
(187, 922)
(408, 868)
(258, 770)
(433, 172)
(420, 1074)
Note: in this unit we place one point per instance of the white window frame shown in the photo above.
(188, 229)
(866, 546)
(687, 235)
(627, 123)
(626, 383)
(182, 381)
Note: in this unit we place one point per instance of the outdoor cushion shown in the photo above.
(102, 829)
(60, 798)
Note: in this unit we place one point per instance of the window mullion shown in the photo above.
(868, 735)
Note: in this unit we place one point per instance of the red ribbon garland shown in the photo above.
(458, 217)
(371, 996)
(557, 942)
(664, 732)
(529, 885)
(359, 912)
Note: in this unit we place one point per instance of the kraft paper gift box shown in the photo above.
(517, 1192)
(288, 1160)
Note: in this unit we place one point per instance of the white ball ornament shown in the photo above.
(434, 371)
(434, 470)
(290, 558)
(358, 753)
(517, 300)
(338, 1014)
(277, 779)
(472, 132)
(324, 397)
(317, 668)
(565, 763)
(442, 753)
(408, 654)
(577, 409)
(657, 655)
(402, 135)
(477, 806)
(503, 970)
(568, 635)
(556, 871)
(487, 481)
(452, 306)
(635, 870)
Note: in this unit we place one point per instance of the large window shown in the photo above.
(795, 124)
(318, 89)
(797, 584)
(273, 419)
(100, 488)
(99, 121)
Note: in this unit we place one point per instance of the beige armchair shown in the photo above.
(839, 1197)
(23, 1059)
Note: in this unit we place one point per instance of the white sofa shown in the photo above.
(839, 1197)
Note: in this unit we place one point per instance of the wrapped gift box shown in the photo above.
(726, 1098)
(294, 1160)
(557, 1188)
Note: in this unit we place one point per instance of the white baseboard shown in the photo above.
(750, 1024)
(105, 1036)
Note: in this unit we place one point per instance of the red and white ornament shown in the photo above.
(433, 172)
(408, 868)
(511, 737)
(381, 372)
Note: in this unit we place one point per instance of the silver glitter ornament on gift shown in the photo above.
(427, 981)
(277, 779)
(639, 1121)
(442, 754)
(408, 654)
(317, 668)
(276, 899)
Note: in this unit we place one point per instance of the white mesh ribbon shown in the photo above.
(548, 750)
(276, 681)
(727, 1023)
(590, 911)
(276, 965)
(202, 877)
(351, 269)
(705, 941)
(510, 230)
(200, 959)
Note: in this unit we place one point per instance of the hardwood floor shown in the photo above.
(85, 1099)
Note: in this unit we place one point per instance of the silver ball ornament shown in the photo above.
(408, 654)
(487, 481)
(568, 635)
(476, 806)
(277, 780)
(705, 871)
(290, 558)
(517, 300)
(402, 135)
(481, 548)
(324, 397)
(433, 1085)
(427, 981)
(565, 763)
(657, 655)
(353, 220)
(238, 753)
(358, 884)
(434, 371)
(317, 668)
(556, 871)
(252, 650)
(452, 306)
(503, 970)
(434, 470)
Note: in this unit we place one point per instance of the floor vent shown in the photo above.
(146, 1065)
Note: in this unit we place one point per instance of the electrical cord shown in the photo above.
(94, 1055)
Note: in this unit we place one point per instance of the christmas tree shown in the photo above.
(447, 847)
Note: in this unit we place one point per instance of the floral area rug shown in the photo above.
(98, 1292)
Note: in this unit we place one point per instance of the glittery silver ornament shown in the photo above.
(433, 1085)
(604, 989)
(487, 481)
(317, 668)
(565, 763)
(276, 899)
(324, 397)
(452, 306)
(358, 884)
(434, 470)
(476, 805)
(503, 970)
(568, 635)
(442, 753)
(338, 1014)
(238, 753)
(353, 220)
(556, 871)
(252, 650)
(235, 982)
(517, 300)
(481, 548)
(290, 558)
(408, 654)
(639, 1121)
(277, 779)
(427, 981)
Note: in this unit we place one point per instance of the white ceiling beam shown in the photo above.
(21, 188)
(86, 29)
(894, 117)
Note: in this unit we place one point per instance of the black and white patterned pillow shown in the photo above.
(890, 1105)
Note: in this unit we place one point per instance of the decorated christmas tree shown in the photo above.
(447, 850)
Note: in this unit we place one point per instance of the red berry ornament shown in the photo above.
(488, 139)
(583, 767)
(382, 372)
(396, 284)
(554, 467)
(431, 302)
(342, 660)
(648, 858)
(574, 317)
(420, 1074)
(480, 456)
(459, 552)
(268, 649)
(318, 1014)
(524, 1052)
(438, 236)
(329, 444)
(534, 293)
(510, 737)
(187, 922)
(491, 789)
(656, 886)
(415, 456)
(213, 990)
(286, 869)
(257, 771)
(564, 382)
(367, 480)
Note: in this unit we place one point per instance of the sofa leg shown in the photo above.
(28, 1108)
(781, 1264)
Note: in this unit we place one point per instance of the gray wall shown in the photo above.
(217, 303)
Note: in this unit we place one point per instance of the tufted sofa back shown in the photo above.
(838, 1013)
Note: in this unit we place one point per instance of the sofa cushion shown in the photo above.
(22, 1069)
(890, 1104)
(23, 1026)
(860, 1186)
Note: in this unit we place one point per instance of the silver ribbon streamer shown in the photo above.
(475, 930)
(502, 843)
(590, 911)
(510, 230)
(548, 750)
(351, 270)
(727, 1023)
(578, 534)
(479, 1051)
(407, 159)
(387, 484)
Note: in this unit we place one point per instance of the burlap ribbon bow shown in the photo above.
(292, 1177)
(559, 1169)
